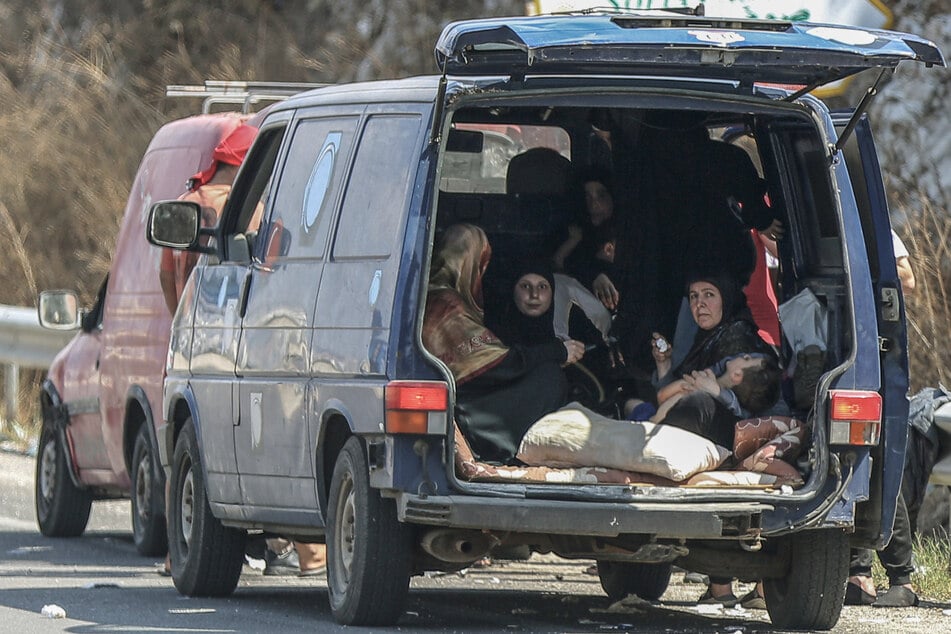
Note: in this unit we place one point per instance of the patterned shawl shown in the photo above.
(453, 327)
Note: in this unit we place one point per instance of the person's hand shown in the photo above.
(661, 351)
(575, 351)
(605, 291)
(774, 231)
(703, 380)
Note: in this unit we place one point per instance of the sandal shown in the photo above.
(896, 597)
(726, 600)
(752, 600)
(856, 595)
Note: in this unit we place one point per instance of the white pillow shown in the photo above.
(575, 436)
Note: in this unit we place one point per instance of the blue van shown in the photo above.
(300, 398)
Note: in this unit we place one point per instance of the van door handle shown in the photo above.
(243, 298)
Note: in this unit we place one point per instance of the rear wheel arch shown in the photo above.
(137, 413)
(334, 433)
(180, 411)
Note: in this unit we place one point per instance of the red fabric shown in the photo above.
(760, 295)
(212, 199)
(232, 150)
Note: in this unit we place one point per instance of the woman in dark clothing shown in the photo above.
(577, 255)
(726, 328)
(527, 317)
(500, 390)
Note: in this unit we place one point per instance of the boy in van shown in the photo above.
(746, 383)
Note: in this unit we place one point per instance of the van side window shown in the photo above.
(309, 188)
(382, 176)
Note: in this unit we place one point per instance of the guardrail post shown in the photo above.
(11, 392)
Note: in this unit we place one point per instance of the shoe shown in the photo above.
(855, 595)
(753, 601)
(313, 572)
(810, 364)
(281, 565)
(726, 600)
(896, 597)
(696, 577)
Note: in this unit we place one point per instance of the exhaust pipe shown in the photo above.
(457, 546)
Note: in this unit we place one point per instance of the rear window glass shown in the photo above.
(477, 155)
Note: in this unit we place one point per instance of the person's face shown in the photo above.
(706, 304)
(599, 202)
(532, 295)
(736, 365)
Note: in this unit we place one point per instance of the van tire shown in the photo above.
(369, 552)
(810, 595)
(148, 499)
(62, 508)
(206, 556)
(620, 579)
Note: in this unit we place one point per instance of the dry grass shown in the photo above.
(932, 578)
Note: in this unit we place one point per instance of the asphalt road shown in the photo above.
(103, 585)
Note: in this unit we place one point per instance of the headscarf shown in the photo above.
(453, 326)
(735, 334)
(517, 328)
(231, 150)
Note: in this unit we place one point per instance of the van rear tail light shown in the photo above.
(410, 404)
(856, 417)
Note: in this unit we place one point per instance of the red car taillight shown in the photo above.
(856, 417)
(409, 404)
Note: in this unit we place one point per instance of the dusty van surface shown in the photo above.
(102, 396)
(301, 400)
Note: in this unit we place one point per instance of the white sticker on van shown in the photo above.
(319, 183)
(718, 37)
(375, 286)
(845, 36)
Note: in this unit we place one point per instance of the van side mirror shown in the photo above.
(174, 224)
(59, 310)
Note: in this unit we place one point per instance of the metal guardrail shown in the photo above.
(24, 343)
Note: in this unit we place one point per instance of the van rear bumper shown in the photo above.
(602, 519)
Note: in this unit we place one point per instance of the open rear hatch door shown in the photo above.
(745, 51)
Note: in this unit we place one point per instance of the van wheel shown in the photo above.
(369, 552)
(206, 556)
(621, 578)
(62, 508)
(148, 499)
(810, 596)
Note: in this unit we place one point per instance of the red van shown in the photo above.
(102, 397)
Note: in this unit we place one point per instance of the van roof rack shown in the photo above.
(243, 93)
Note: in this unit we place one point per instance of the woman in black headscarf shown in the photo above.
(726, 328)
(528, 319)
(501, 388)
